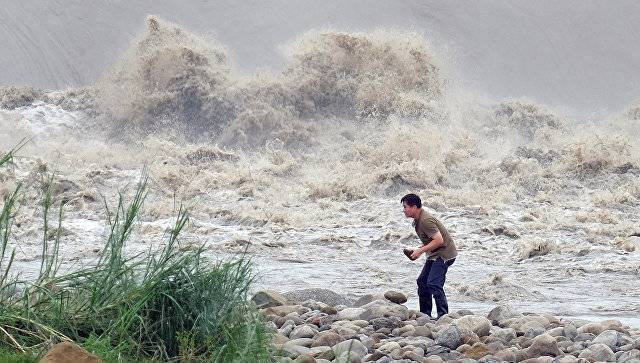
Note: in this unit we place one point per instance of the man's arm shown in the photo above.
(436, 242)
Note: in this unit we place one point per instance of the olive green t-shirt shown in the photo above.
(426, 227)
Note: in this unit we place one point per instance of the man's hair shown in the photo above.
(412, 199)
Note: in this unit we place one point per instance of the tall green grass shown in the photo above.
(168, 304)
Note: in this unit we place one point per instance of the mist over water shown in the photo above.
(303, 164)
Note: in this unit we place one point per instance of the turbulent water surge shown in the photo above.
(303, 168)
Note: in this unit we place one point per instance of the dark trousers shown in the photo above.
(431, 285)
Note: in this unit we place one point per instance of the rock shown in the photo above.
(477, 351)
(506, 355)
(412, 356)
(285, 310)
(592, 328)
(395, 296)
(303, 342)
(423, 331)
(279, 339)
(387, 348)
(326, 338)
(501, 313)
(384, 309)
(303, 331)
(267, 298)
(433, 359)
(293, 350)
(630, 356)
(504, 334)
(477, 324)
(584, 337)
(322, 295)
(391, 323)
(304, 358)
(450, 337)
(598, 353)
(556, 332)
(608, 337)
(350, 313)
(543, 344)
(348, 350)
(571, 331)
(69, 352)
(532, 329)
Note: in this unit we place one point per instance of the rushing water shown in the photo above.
(303, 165)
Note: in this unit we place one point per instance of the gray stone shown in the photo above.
(294, 350)
(450, 337)
(543, 344)
(384, 309)
(584, 337)
(303, 331)
(268, 298)
(571, 331)
(303, 342)
(598, 352)
(504, 334)
(365, 299)
(630, 356)
(592, 328)
(395, 297)
(349, 350)
(350, 313)
(477, 324)
(391, 323)
(387, 348)
(501, 313)
(304, 358)
(608, 337)
(327, 338)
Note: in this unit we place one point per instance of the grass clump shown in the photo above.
(163, 305)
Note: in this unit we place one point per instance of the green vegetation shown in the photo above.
(170, 304)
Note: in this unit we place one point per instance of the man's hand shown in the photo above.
(417, 253)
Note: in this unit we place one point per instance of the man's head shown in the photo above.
(412, 205)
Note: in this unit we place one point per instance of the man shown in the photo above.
(440, 250)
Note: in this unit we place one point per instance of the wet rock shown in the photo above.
(501, 313)
(598, 353)
(395, 296)
(69, 352)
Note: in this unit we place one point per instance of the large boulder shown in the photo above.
(452, 336)
(68, 352)
(268, 298)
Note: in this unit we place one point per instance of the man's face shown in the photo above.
(409, 210)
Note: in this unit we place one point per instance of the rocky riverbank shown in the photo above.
(318, 325)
